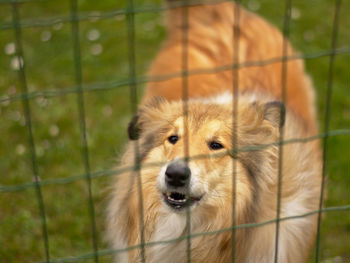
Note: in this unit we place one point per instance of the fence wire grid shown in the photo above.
(74, 20)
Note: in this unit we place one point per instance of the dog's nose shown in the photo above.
(177, 174)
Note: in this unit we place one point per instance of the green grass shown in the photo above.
(49, 67)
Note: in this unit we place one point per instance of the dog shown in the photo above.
(199, 171)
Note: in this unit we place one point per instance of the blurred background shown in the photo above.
(52, 82)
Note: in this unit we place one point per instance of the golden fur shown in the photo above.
(210, 119)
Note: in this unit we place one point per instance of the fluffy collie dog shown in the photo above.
(188, 179)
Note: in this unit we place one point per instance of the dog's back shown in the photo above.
(210, 43)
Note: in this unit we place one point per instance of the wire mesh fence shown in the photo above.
(27, 87)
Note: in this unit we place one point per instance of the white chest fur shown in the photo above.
(169, 227)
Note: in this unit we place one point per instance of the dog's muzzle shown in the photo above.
(177, 180)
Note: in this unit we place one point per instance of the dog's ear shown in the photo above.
(143, 115)
(275, 113)
(133, 128)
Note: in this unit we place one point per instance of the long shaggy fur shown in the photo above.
(250, 176)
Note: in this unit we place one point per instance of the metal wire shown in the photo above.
(133, 100)
(184, 91)
(106, 252)
(102, 86)
(235, 88)
(28, 123)
(82, 122)
(327, 122)
(74, 18)
(84, 16)
(116, 172)
(286, 28)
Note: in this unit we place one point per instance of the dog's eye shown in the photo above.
(173, 139)
(215, 145)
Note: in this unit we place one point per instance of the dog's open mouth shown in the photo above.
(178, 200)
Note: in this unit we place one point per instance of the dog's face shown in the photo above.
(197, 179)
(199, 169)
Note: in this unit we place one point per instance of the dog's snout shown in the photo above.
(177, 174)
